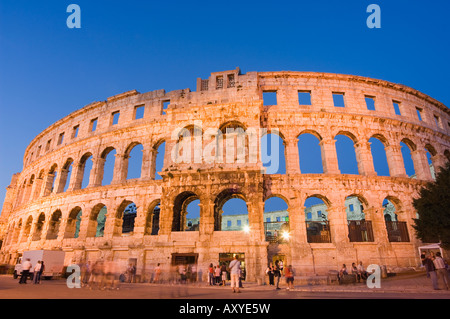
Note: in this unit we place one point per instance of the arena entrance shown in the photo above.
(184, 259)
(226, 258)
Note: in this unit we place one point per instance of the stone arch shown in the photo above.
(396, 228)
(220, 200)
(73, 223)
(134, 160)
(27, 229)
(274, 164)
(407, 148)
(310, 152)
(66, 174)
(84, 171)
(38, 227)
(158, 159)
(316, 219)
(54, 223)
(276, 218)
(97, 221)
(378, 144)
(125, 217)
(181, 202)
(359, 228)
(106, 168)
(152, 218)
(346, 153)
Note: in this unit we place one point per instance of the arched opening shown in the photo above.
(39, 227)
(378, 150)
(359, 229)
(447, 155)
(54, 224)
(316, 218)
(230, 211)
(16, 228)
(406, 147)
(397, 230)
(126, 213)
(181, 208)
(189, 145)
(273, 156)
(67, 168)
(310, 153)
(345, 149)
(97, 221)
(232, 143)
(431, 152)
(158, 161)
(85, 169)
(135, 154)
(276, 220)
(107, 171)
(152, 220)
(27, 229)
(73, 223)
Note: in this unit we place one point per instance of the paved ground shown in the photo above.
(411, 286)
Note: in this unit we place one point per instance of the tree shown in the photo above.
(433, 208)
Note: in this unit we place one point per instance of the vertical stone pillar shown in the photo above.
(329, 156)
(421, 165)
(120, 169)
(337, 217)
(364, 159)
(395, 161)
(60, 182)
(36, 188)
(48, 183)
(147, 169)
(96, 176)
(292, 157)
(76, 177)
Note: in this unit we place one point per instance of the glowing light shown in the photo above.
(247, 229)
(285, 235)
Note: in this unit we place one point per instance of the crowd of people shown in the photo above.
(275, 272)
(356, 270)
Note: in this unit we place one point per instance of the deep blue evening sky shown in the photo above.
(48, 71)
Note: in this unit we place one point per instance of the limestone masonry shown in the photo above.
(45, 209)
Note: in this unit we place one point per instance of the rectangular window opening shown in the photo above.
(370, 102)
(47, 147)
(61, 138)
(219, 82)
(419, 113)
(231, 82)
(338, 99)
(397, 107)
(75, 131)
(139, 112)
(270, 98)
(304, 97)
(165, 105)
(94, 125)
(115, 118)
(437, 121)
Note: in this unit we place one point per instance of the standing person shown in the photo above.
(41, 270)
(235, 271)
(157, 273)
(131, 271)
(37, 272)
(25, 271)
(441, 270)
(217, 272)
(277, 273)
(431, 271)
(270, 273)
(224, 275)
(211, 274)
(289, 274)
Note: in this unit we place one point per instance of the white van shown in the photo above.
(53, 262)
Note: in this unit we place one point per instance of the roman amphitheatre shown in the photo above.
(61, 201)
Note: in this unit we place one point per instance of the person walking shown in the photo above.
(441, 270)
(289, 274)
(235, 271)
(277, 273)
(431, 270)
(157, 273)
(37, 272)
(25, 271)
(211, 274)
(217, 272)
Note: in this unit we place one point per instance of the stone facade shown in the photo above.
(42, 204)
